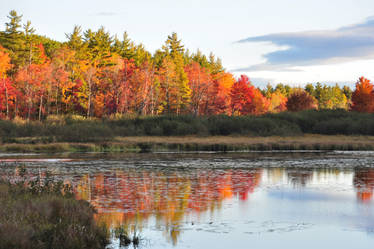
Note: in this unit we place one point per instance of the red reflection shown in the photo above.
(364, 183)
(130, 197)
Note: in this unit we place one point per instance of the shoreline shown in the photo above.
(194, 144)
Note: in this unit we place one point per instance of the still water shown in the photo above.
(242, 200)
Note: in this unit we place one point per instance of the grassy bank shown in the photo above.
(195, 143)
(46, 215)
(323, 129)
(79, 129)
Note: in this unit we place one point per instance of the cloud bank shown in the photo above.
(307, 48)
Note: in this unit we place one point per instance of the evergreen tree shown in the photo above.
(98, 45)
(140, 55)
(310, 89)
(29, 39)
(347, 92)
(127, 47)
(175, 50)
(75, 38)
(174, 46)
(318, 91)
(13, 40)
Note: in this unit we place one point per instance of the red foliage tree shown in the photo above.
(301, 100)
(218, 95)
(260, 104)
(241, 95)
(217, 99)
(200, 82)
(246, 99)
(363, 96)
(8, 95)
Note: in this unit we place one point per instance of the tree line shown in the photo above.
(95, 74)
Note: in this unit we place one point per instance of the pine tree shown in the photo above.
(29, 39)
(75, 38)
(174, 46)
(175, 50)
(125, 48)
(13, 41)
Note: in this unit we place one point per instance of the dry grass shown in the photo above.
(243, 140)
(210, 143)
(45, 214)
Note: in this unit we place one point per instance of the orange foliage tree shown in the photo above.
(363, 96)
(7, 91)
(200, 82)
(277, 102)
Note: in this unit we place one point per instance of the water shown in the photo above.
(243, 200)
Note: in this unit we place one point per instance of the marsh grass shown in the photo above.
(246, 143)
(191, 133)
(44, 214)
(83, 130)
(146, 144)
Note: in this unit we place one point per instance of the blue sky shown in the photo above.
(289, 41)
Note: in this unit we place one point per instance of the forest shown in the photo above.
(95, 74)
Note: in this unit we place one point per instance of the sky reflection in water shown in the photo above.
(220, 201)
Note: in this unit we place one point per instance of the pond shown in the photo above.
(232, 200)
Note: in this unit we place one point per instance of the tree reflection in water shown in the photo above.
(130, 198)
(169, 197)
(363, 181)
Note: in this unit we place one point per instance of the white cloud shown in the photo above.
(350, 43)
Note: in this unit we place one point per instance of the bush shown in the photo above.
(46, 215)
(300, 100)
(78, 129)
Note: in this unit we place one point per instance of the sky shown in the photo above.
(272, 41)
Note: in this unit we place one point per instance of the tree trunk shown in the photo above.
(40, 107)
(89, 98)
(6, 99)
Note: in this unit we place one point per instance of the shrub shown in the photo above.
(46, 215)
(300, 100)
(282, 124)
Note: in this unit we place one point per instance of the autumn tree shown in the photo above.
(199, 82)
(260, 104)
(277, 102)
(96, 74)
(246, 99)
(7, 91)
(218, 95)
(300, 100)
(60, 64)
(142, 88)
(336, 98)
(363, 96)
